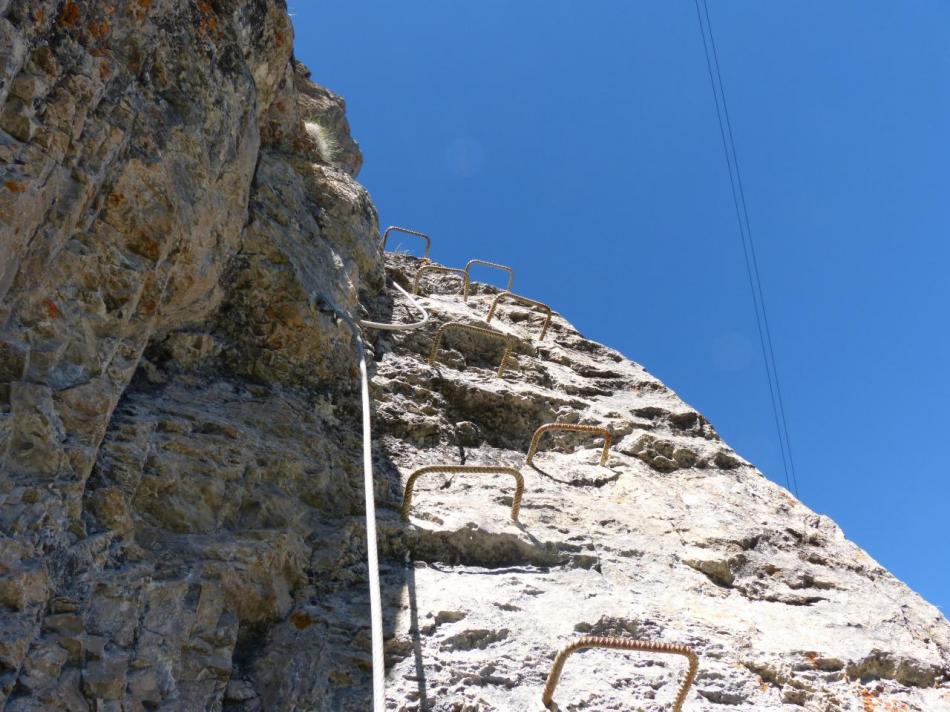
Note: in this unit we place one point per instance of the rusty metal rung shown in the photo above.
(464, 469)
(521, 300)
(475, 330)
(573, 427)
(645, 646)
(439, 268)
(493, 265)
(394, 228)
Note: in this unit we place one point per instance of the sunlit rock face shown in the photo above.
(181, 490)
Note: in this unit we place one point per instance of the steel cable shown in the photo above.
(399, 327)
(372, 550)
(748, 245)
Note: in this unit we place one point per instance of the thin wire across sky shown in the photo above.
(748, 245)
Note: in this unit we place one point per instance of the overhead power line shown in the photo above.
(748, 244)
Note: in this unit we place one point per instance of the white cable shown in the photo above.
(372, 551)
(372, 555)
(399, 327)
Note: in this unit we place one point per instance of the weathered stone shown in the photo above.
(677, 539)
(183, 240)
(105, 678)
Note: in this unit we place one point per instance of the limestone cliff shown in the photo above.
(180, 504)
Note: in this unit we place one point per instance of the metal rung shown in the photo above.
(475, 330)
(425, 237)
(573, 427)
(522, 300)
(493, 265)
(464, 469)
(590, 641)
(440, 268)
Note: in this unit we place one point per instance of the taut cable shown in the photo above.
(372, 551)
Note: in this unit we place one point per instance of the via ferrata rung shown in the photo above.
(407, 231)
(522, 300)
(646, 646)
(430, 267)
(464, 469)
(459, 326)
(493, 265)
(572, 427)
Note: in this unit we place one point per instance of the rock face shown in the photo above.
(180, 498)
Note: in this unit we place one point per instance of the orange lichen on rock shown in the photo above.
(99, 29)
(69, 15)
(146, 246)
(140, 8)
(871, 703)
(14, 187)
(301, 619)
(51, 309)
(147, 307)
(209, 22)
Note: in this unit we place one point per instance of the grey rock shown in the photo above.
(180, 451)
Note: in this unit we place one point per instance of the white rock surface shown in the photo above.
(677, 539)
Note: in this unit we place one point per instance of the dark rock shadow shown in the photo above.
(416, 639)
(582, 482)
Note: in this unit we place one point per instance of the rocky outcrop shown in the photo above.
(676, 539)
(167, 215)
(180, 498)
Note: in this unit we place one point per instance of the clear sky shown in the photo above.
(578, 142)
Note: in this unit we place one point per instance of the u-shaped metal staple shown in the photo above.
(645, 646)
(522, 300)
(464, 469)
(394, 228)
(573, 427)
(439, 268)
(475, 330)
(509, 270)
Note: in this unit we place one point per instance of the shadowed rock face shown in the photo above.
(166, 393)
(180, 497)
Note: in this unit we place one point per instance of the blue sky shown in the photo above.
(577, 142)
